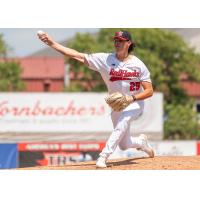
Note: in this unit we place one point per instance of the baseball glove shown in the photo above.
(118, 101)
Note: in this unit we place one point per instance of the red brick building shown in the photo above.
(193, 90)
(43, 74)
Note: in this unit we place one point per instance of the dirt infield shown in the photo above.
(157, 163)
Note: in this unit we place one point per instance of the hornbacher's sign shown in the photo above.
(40, 109)
(70, 113)
(54, 112)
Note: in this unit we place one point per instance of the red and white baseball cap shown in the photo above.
(123, 35)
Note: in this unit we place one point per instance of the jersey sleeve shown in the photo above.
(95, 61)
(145, 74)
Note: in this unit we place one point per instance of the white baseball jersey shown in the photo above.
(124, 77)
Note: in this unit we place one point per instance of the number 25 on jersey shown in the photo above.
(134, 86)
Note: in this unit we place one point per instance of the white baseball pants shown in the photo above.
(121, 133)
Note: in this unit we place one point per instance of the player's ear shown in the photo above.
(129, 42)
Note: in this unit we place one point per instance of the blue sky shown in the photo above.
(24, 41)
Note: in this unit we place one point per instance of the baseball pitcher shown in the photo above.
(128, 82)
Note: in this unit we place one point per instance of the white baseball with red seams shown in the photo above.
(40, 32)
(124, 77)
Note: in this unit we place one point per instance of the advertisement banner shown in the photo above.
(151, 121)
(198, 148)
(71, 113)
(8, 156)
(57, 154)
(162, 148)
(53, 112)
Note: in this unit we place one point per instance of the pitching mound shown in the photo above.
(159, 163)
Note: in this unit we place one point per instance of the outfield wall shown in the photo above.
(61, 153)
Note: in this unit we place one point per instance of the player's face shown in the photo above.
(121, 45)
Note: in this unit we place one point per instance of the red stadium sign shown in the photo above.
(57, 153)
(65, 146)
